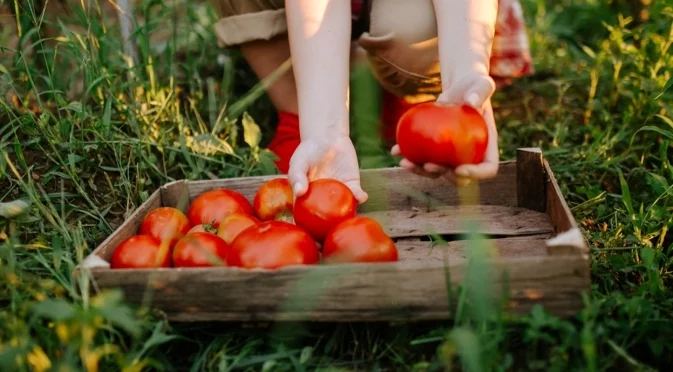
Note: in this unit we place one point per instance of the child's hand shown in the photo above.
(474, 90)
(324, 157)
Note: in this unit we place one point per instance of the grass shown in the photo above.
(87, 135)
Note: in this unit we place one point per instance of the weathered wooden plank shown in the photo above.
(176, 195)
(396, 188)
(569, 239)
(550, 272)
(530, 179)
(456, 251)
(403, 291)
(450, 220)
(393, 188)
(556, 206)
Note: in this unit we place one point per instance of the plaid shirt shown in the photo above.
(510, 54)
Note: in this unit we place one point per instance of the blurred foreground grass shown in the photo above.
(86, 135)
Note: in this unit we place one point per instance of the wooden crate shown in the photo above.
(541, 251)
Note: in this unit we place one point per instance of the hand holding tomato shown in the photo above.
(317, 158)
(474, 91)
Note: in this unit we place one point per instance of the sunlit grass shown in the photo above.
(87, 136)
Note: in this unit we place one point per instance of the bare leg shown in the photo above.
(264, 57)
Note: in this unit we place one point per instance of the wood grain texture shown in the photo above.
(530, 179)
(456, 251)
(557, 208)
(409, 207)
(568, 243)
(128, 228)
(451, 220)
(403, 291)
(176, 195)
(393, 188)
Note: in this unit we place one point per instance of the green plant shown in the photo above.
(87, 135)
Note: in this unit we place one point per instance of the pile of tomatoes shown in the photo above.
(222, 228)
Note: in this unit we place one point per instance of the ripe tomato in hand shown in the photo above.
(200, 249)
(234, 224)
(213, 206)
(140, 251)
(358, 239)
(326, 203)
(274, 200)
(273, 244)
(446, 135)
(165, 223)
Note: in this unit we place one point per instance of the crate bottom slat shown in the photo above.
(451, 220)
(403, 291)
(414, 249)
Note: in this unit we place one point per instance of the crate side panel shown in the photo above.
(176, 195)
(557, 208)
(396, 188)
(457, 251)
(451, 220)
(531, 180)
(391, 188)
(366, 292)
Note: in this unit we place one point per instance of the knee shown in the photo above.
(243, 21)
(411, 21)
(402, 48)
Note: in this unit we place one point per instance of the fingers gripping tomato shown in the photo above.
(359, 239)
(200, 249)
(140, 251)
(442, 134)
(213, 206)
(165, 223)
(326, 203)
(273, 244)
(274, 200)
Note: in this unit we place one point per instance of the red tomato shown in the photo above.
(140, 251)
(273, 244)
(359, 239)
(274, 200)
(234, 224)
(200, 249)
(213, 206)
(165, 223)
(203, 228)
(326, 203)
(443, 135)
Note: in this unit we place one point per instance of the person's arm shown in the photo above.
(319, 33)
(465, 31)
